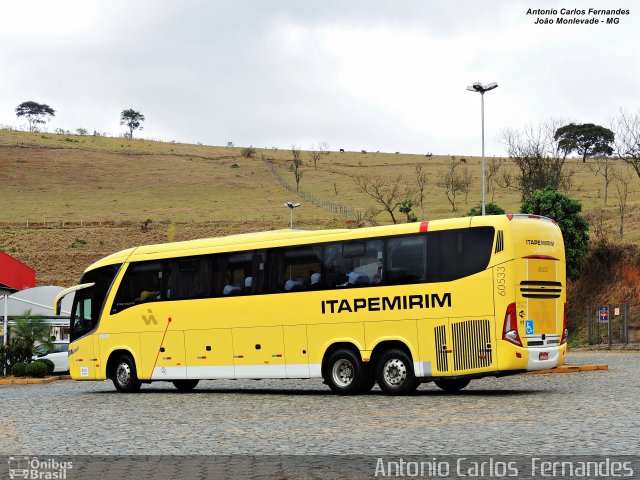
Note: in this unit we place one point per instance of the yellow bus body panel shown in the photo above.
(455, 328)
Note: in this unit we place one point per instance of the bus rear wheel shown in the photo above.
(185, 385)
(395, 374)
(452, 385)
(345, 374)
(124, 374)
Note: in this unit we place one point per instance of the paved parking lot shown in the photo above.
(578, 413)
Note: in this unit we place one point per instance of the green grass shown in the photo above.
(69, 178)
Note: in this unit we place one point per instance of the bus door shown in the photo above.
(539, 305)
(84, 363)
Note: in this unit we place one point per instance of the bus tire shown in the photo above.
(395, 374)
(345, 373)
(125, 375)
(452, 385)
(185, 385)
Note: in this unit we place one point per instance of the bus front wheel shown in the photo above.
(452, 385)
(345, 374)
(124, 375)
(395, 373)
(185, 385)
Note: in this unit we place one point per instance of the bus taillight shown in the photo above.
(565, 332)
(510, 329)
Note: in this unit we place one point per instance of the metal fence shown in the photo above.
(613, 324)
(336, 208)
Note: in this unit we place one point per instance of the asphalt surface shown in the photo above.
(587, 413)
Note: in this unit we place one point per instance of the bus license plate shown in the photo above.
(543, 356)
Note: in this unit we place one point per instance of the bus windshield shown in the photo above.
(87, 303)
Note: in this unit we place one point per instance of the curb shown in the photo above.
(32, 381)
(571, 369)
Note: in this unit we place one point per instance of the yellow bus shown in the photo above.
(444, 301)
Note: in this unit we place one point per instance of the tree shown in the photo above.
(296, 166)
(452, 183)
(315, 155)
(35, 113)
(539, 159)
(587, 139)
(324, 148)
(132, 119)
(421, 180)
(388, 193)
(627, 141)
(30, 329)
(494, 168)
(566, 212)
(489, 209)
(405, 207)
(622, 188)
(604, 167)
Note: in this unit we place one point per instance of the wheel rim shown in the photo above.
(394, 372)
(123, 374)
(342, 373)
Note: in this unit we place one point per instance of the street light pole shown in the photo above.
(478, 87)
(291, 206)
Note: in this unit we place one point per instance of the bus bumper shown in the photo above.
(547, 357)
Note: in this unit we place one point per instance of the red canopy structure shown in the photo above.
(15, 275)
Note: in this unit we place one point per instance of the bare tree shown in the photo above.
(622, 187)
(466, 179)
(296, 166)
(603, 166)
(387, 193)
(315, 155)
(627, 140)
(494, 168)
(539, 159)
(421, 180)
(324, 148)
(452, 183)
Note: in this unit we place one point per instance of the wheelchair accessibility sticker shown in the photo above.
(529, 327)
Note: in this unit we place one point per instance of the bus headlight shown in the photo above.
(71, 351)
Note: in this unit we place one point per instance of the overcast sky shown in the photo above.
(357, 74)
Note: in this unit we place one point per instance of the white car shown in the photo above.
(57, 354)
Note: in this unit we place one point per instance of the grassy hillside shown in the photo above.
(68, 200)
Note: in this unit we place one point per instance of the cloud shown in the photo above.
(378, 75)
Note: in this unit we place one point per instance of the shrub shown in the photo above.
(12, 354)
(48, 363)
(19, 369)
(37, 369)
(248, 152)
(489, 209)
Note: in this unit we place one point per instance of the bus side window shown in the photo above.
(406, 260)
(188, 277)
(302, 268)
(142, 283)
(240, 273)
(454, 254)
(354, 264)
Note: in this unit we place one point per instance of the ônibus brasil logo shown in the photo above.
(34, 468)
